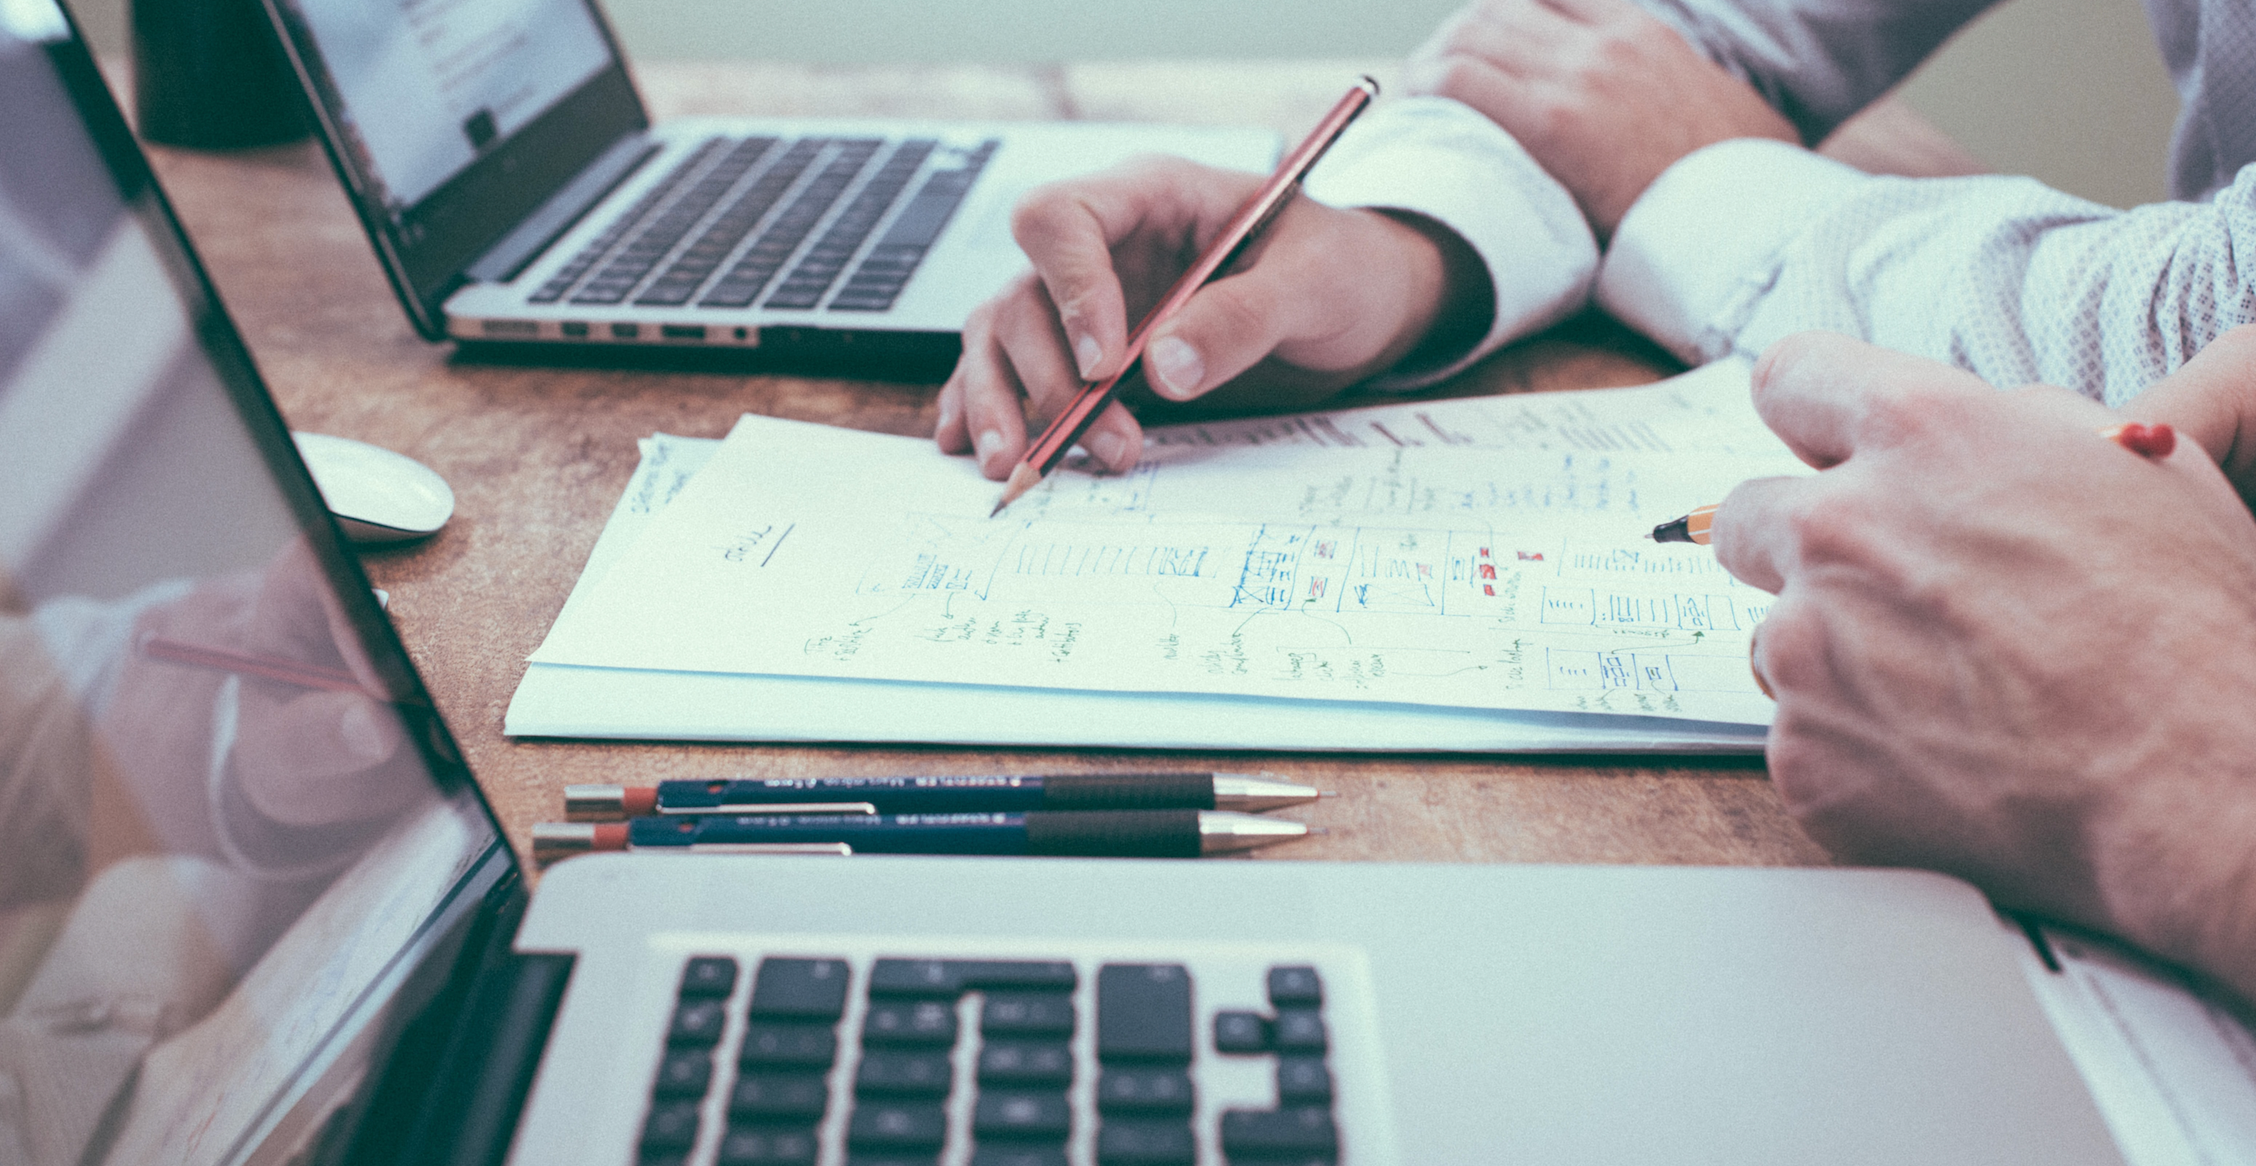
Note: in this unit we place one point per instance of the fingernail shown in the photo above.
(1176, 366)
(947, 417)
(358, 729)
(990, 444)
(1088, 352)
(1107, 447)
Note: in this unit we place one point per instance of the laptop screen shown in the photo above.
(228, 816)
(426, 86)
(452, 121)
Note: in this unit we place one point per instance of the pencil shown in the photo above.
(931, 795)
(303, 675)
(1050, 449)
(2153, 442)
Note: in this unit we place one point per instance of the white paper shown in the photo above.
(1457, 575)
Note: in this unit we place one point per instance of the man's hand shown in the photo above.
(1603, 95)
(2008, 649)
(301, 757)
(1330, 297)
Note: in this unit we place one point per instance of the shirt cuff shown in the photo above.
(1442, 161)
(1701, 246)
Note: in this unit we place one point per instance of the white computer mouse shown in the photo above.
(378, 496)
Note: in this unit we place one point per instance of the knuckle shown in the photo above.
(1910, 411)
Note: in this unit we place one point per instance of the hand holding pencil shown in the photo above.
(1328, 297)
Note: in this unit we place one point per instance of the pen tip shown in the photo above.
(1327, 793)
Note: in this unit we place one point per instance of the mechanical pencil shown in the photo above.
(926, 795)
(1085, 833)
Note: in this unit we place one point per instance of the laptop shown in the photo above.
(517, 192)
(254, 910)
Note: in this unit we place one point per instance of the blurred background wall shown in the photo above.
(2071, 91)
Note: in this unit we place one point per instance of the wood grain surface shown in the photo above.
(538, 455)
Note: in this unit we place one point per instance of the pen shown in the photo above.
(2153, 442)
(1087, 833)
(304, 675)
(1049, 449)
(927, 795)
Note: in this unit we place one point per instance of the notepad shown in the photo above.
(1461, 575)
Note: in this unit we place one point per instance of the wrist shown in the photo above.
(1454, 302)
(2177, 861)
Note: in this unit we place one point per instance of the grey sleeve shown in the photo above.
(1818, 61)
(2000, 276)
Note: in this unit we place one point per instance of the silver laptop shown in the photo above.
(252, 909)
(516, 191)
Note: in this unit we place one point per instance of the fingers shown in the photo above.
(1753, 533)
(1826, 394)
(1015, 356)
(313, 733)
(2211, 400)
(1088, 239)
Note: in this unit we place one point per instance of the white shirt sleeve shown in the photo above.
(1438, 159)
(1743, 243)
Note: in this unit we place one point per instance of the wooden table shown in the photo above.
(538, 455)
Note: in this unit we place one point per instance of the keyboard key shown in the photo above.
(893, 1158)
(697, 1022)
(909, 1022)
(810, 1046)
(621, 226)
(1256, 1133)
(1241, 1032)
(1027, 1014)
(1298, 1030)
(1026, 1063)
(897, 1125)
(685, 1072)
(709, 975)
(766, 1145)
(1017, 1114)
(1137, 1090)
(1295, 986)
(1303, 1081)
(658, 1157)
(672, 1125)
(897, 977)
(794, 1098)
(1144, 1012)
(1145, 1142)
(896, 1071)
(1008, 1155)
(800, 989)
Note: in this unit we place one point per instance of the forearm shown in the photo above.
(2001, 276)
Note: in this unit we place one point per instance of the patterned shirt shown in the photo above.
(1746, 242)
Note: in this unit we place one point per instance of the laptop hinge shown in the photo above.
(455, 1080)
(505, 259)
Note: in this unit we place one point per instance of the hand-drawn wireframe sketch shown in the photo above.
(1468, 574)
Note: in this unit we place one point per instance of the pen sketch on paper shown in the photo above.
(1496, 571)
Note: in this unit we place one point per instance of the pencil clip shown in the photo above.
(839, 849)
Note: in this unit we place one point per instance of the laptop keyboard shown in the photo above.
(733, 222)
(912, 1062)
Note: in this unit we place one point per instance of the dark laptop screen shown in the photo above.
(426, 86)
(228, 817)
(451, 121)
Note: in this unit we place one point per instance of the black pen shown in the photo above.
(1084, 833)
(934, 795)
